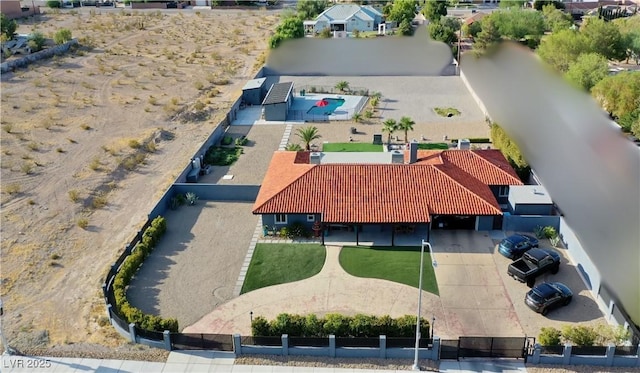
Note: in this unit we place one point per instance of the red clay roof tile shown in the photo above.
(441, 182)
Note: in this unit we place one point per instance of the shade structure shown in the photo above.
(322, 103)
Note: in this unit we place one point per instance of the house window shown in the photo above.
(353, 19)
(503, 191)
(281, 218)
(311, 218)
(369, 24)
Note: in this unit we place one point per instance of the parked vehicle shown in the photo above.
(548, 296)
(514, 246)
(534, 263)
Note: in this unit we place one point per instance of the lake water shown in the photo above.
(417, 55)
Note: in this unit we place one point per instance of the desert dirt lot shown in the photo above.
(91, 139)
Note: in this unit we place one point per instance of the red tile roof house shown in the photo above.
(393, 195)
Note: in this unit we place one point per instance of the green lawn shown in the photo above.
(434, 145)
(398, 264)
(274, 264)
(351, 147)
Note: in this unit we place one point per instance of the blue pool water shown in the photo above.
(334, 103)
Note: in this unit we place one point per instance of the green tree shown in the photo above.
(389, 126)
(562, 48)
(307, 135)
(403, 10)
(7, 27)
(587, 70)
(604, 38)
(357, 117)
(406, 125)
(309, 9)
(630, 29)
(555, 19)
(512, 4)
(36, 41)
(434, 10)
(635, 126)
(472, 29)
(540, 4)
(54, 4)
(619, 94)
(452, 23)
(62, 36)
(632, 41)
(326, 33)
(510, 150)
(342, 85)
(518, 24)
(440, 32)
(290, 27)
(486, 38)
(405, 28)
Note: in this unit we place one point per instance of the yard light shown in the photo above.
(433, 321)
(251, 316)
(415, 358)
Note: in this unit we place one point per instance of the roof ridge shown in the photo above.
(476, 195)
(475, 154)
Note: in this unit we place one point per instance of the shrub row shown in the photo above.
(584, 335)
(339, 325)
(150, 238)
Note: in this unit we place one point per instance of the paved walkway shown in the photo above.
(331, 290)
(217, 362)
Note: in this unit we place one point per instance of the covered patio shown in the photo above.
(375, 234)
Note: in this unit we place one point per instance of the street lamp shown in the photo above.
(415, 358)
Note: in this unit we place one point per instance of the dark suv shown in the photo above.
(514, 246)
(548, 296)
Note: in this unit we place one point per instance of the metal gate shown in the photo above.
(449, 348)
(509, 347)
(489, 347)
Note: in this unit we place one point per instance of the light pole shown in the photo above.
(415, 358)
(433, 321)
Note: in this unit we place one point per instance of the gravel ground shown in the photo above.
(326, 362)
(93, 351)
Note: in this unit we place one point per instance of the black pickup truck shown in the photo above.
(534, 263)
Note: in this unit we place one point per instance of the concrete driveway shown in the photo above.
(472, 293)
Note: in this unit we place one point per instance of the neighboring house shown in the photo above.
(413, 191)
(345, 17)
(13, 9)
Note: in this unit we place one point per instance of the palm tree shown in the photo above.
(293, 147)
(308, 134)
(357, 117)
(342, 85)
(389, 126)
(377, 95)
(374, 102)
(406, 125)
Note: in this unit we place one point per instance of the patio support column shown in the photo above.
(357, 235)
(393, 233)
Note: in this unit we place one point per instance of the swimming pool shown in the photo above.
(332, 105)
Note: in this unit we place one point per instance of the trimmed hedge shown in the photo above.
(339, 325)
(150, 238)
